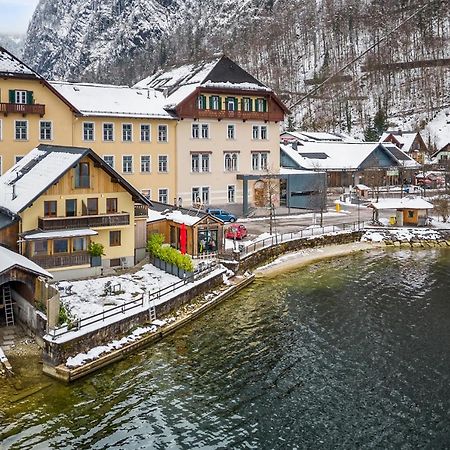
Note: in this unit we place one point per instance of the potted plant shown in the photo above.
(96, 250)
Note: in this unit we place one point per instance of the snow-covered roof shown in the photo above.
(341, 155)
(110, 100)
(402, 203)
(10, 65)
(177, 83)
(32, 175)
(289, 171)
(405, 139)
(60, 234)
(10, 259)
(310, 136)
(362, 187)
(438, 129)
(176, 216)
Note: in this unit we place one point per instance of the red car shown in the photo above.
(236, 232)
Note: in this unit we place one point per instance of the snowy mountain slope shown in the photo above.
(291, 45)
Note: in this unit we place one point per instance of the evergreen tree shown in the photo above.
(291, 124)
(380, 122)
(370, 133)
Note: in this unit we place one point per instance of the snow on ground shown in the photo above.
(296, 216)
(401, 234)
(88, 297)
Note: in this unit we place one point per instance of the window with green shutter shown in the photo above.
(201, 102)
(30, 97)
(21, 97)
(215, 102)
(231, 104)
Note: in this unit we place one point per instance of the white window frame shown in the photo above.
(125, 136)
(246, 104)
(26, 131)
(204, 130)
(20, 97)
(167, 195)
(233, 190)
(84, 135)
(195, 130)
(234, 161)
(215, 100)
(149, 131)
(166, 162)
(147, 193)
(205, 190)
(40, 130)
(123, 164)
(255, 132)
(111, 130)
(265, 135)
(230, 101)
(166, 133)
(149, 162)
(231, 136)
(113, 160)
(262, 160)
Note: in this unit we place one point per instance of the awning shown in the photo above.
(57, 234)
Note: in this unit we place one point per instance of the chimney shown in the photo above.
(14, 195)
(295, 146)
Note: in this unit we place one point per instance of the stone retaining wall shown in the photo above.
(55, 353)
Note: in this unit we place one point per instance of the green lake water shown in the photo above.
(348, 353)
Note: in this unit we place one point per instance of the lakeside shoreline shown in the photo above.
(301, 258)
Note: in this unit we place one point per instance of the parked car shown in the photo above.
(236, 232)
(222, 215)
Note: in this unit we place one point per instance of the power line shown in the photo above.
(378, 42)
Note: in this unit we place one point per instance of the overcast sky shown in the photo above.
(15, 15)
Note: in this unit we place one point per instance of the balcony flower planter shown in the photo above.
(96, 261)
(96, 251)
(170, 268)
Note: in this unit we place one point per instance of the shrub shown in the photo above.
(168, 254)
(96, 249)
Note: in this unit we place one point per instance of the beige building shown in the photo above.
(227, 133)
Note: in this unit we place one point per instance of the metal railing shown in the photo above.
(301, 234)
(138, 302)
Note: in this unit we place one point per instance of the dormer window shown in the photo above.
(81, 175)
(261, 105)
(247, 104)
(201, 102)
(214, 102)
(231, 104)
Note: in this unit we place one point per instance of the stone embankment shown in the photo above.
(408, 237)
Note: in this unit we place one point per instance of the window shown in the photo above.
(147, 193)
(259, 160)
(205, 131)
(231, 132)
(71, 207)
(21, 130)
(231, 161)
(162, 133)
(196, 196)
(255, 132)
(115, 238)
(82, 175)
(127, 164)
(17, 158)
(247, 104)
(163, 163)
(215, 103)
(195, 131)
(40, 247)
(60, 246)
(111, 205)
(45, 131)
(263, 132)
(78, 244)
(201, 102)
(127, 132)
(145, 163)
(231, 104)
(20, 97)
(50, 208)
(205, 195)
(260, 105)
(231, 189)
(145, 133)
(92, 206)
(163, 195)
(109, 159)
(200, 162)
(108, 132)
(88, 131)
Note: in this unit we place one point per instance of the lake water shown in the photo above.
(349, 353)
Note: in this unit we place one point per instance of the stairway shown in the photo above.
(152, 313)
(7, 301)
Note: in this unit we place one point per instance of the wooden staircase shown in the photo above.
(7, 301)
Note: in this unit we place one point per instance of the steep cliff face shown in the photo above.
(293, 45)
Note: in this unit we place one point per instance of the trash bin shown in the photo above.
(392, 220)
(338, 207)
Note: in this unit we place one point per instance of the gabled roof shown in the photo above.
(10, 259)
(404, 138)
(113, 101)
(342, 155)
(178, 83)
(44, 166)
(10, 66)
(402, 203)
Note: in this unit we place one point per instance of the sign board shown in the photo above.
(392, 173)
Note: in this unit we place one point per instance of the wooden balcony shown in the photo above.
(63, 260)
(22, 108)
(101, 220)
(140, 210)
(238, 115)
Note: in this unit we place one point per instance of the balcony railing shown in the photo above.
(74, 259)
(22, 108)
(239, 115)
(140, 211)
(103, 220)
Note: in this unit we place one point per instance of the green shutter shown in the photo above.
(264, 105)
(29, 97)
(203, 102)
(236, 107)
(250, 104)
(210, 102)
(220, 102)
(12, 96)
